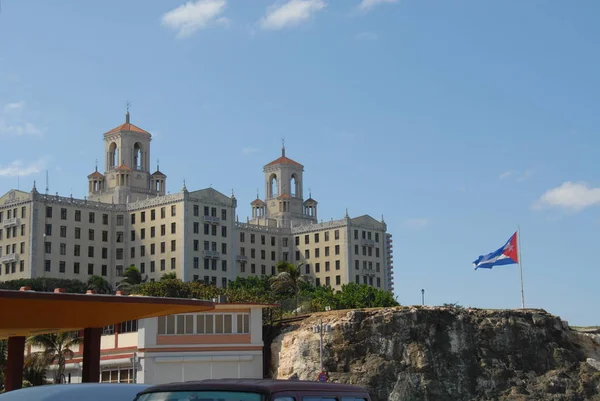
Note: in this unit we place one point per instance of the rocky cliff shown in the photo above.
(445, 354)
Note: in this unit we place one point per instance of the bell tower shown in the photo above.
(127, 176)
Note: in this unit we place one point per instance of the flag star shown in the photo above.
(509, 247)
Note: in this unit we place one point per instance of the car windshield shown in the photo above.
(200, 396)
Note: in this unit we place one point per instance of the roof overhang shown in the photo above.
(27, 313)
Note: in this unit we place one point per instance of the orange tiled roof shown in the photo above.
(284, 160)
(96, 174)
(257, 201)
(128, 127)
(310, 200)
(284, 196)
(157, 172)
(123, 167)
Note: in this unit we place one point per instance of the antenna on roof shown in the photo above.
(127, 106)
(282, 147)
(96, 165)
(157, 164)
(46, 182)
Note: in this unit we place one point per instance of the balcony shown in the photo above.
(241, 258)
(11, 222)
(211, 254)
(9, 258)
(367, 242)
(368, 272)
(212, 219)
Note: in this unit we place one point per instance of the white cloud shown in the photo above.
(289, 14)
(18, 169)
(14, 106)
(247, 151)
(574, 196)
(367, 36)
(367, 5)
(417, 223)
(519, 176)
(11, 124)
(192, 16)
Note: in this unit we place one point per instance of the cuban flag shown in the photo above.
(507, 255)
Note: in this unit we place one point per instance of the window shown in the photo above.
(223, 231)
(143, 233)
(162, 247)
(76, 268)
(77, 233)
(22, 212)
(317, 267)
(338, 280)
(316, 238)
(336, 234)
(143, 217)
(376, 237)
(120, 219)
(252, 238)
(174, 210)
(105, 219)
(337, 249)
(196, 210)
(224, 265)
(48, 230)
(337, 265)
(91, 234)
(307, 267)
(152, 232)
(104, 236)
(307, 239)
(77, 250)
(63, 216)
(142, 250)
(224, 248)
(47, 247)
(48, 212)
(206, 211)
(152, 215)
(242, 237)
(47, 265)
(129, 326)
(163, 230)
(355, 234)
(163, 213)
(104, 270)
(92, 217)
(119, 253)
(328, 281)
(173, 263)
(326, 251)
(63, 250)
(132, 235)
(173, 243)
(213, 230)
(163, 264)
(90, 251)
(327, 266)
(77, 215)
(173, 228)
(317, 252)
(104, 253)
(273, 256)
(142, 267)
(63, 231)
(90, 269)
(196, 262)
(132, 218)
(223, 214)
(62, 267)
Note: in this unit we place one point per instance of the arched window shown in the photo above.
(293, 186)
(273, 186)
(113, 155)
(137, 156)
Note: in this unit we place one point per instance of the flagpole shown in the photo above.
(520, 265)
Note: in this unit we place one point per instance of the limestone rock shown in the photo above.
(445, 354)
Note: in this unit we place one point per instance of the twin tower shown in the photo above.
(127, 178)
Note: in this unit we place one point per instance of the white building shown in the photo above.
(222, 343)
(129, 219)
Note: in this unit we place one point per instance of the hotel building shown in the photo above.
(128, 218)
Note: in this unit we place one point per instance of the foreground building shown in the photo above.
(129, 219)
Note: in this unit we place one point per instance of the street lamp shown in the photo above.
(321, 328)
(422, 297)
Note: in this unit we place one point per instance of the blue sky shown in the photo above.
(456, 120)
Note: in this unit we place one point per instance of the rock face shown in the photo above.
(445, 354)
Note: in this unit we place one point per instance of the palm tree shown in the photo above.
(35, 368)
(289, 278)
(57, 348)
(100, 285)
(132, 279)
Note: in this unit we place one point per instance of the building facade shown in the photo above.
(222, 343)
(128, 218)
